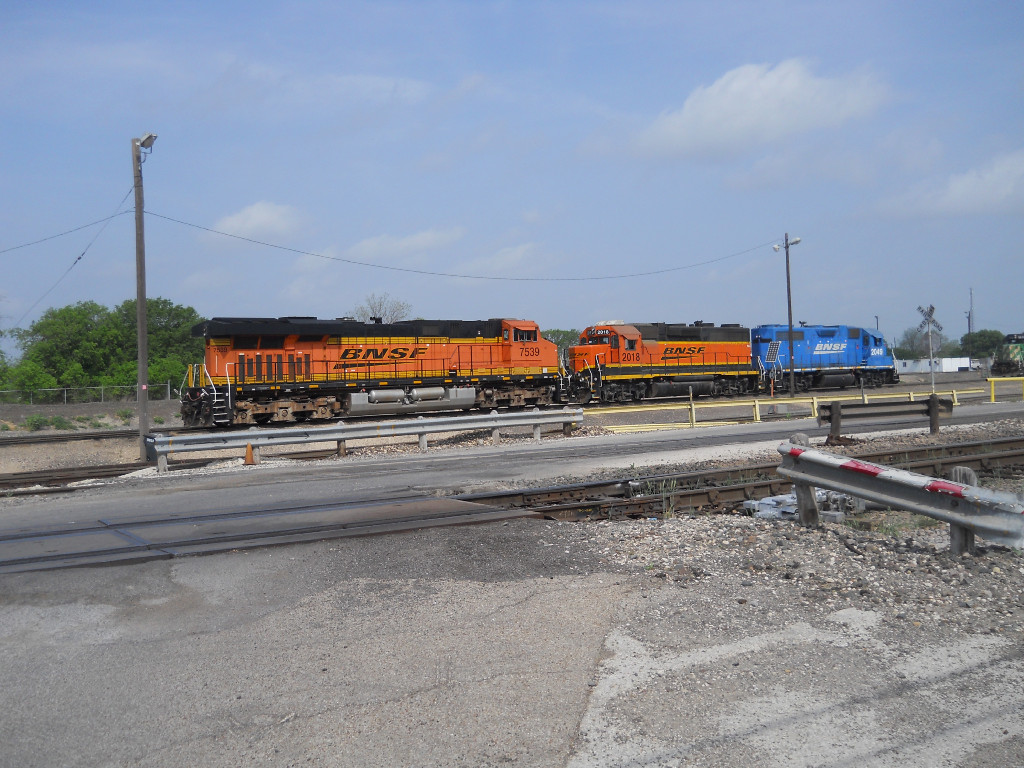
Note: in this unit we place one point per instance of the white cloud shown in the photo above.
(260, 220)
(756, 104)
(385, 247)
(996, 187)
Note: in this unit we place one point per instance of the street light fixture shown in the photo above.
(142, 389)
(789, 306)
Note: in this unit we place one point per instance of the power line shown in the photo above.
(79, 258)
(461, 276)
(70, 231)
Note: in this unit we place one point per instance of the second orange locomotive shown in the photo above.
(616, 362)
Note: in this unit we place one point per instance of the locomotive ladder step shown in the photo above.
(220, 411)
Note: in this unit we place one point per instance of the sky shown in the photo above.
(565, 162)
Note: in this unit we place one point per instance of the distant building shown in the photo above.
(942, 365)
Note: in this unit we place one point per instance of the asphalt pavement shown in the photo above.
(520, 643)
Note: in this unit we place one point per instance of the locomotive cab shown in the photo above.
(605, 344)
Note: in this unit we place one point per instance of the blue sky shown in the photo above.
(545, 140)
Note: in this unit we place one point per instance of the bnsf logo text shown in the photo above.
(682, 351)
(824, 347)
(383, 353)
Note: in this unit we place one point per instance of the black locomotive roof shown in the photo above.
(312, 326)
(695, 332)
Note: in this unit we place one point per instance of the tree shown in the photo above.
(68, 340)
(168, 329)
(86, 344)
(29, 376)
(982, 343)
(388, 309)
(913, 345)
(564, 339)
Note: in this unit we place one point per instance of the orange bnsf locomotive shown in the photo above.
(615, 362)
(260, 370)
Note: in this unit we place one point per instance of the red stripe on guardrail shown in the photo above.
(863, 467)
(943, 486)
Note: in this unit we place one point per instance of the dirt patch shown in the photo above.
(115, 415)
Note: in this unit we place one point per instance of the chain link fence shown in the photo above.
(70, 395)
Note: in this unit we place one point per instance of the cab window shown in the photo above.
(630, 344)
(519, 334)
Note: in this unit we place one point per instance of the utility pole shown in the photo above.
(970, 327)
(142, 330)
(789, 306)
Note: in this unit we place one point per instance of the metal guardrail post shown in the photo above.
(933, 414)
(969, 510)
(806, 497)
(835, 420)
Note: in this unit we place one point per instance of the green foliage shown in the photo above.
(125, 415)
(158, 419)
(982, 343)
(563, 338)
(59, 422)
(88, 345)
(168, 369)
(36, 422)
(168, 330)
(29, 375)
(5, 427)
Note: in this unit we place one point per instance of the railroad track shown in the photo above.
(717, 490)
(58, 480)
(136, 540)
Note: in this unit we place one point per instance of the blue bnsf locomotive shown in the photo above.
(824, 356)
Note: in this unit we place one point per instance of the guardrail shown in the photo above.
(969, 510)
(1003, 380)
(779, 406)
(834, 412)
(159, 447)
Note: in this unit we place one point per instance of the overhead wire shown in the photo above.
(525, 279)
(298, 251)
(85, 250)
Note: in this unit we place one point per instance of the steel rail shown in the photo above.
(655, 494)
(145, 538)
(142, 539)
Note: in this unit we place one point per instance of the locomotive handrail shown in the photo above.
(159, 447)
